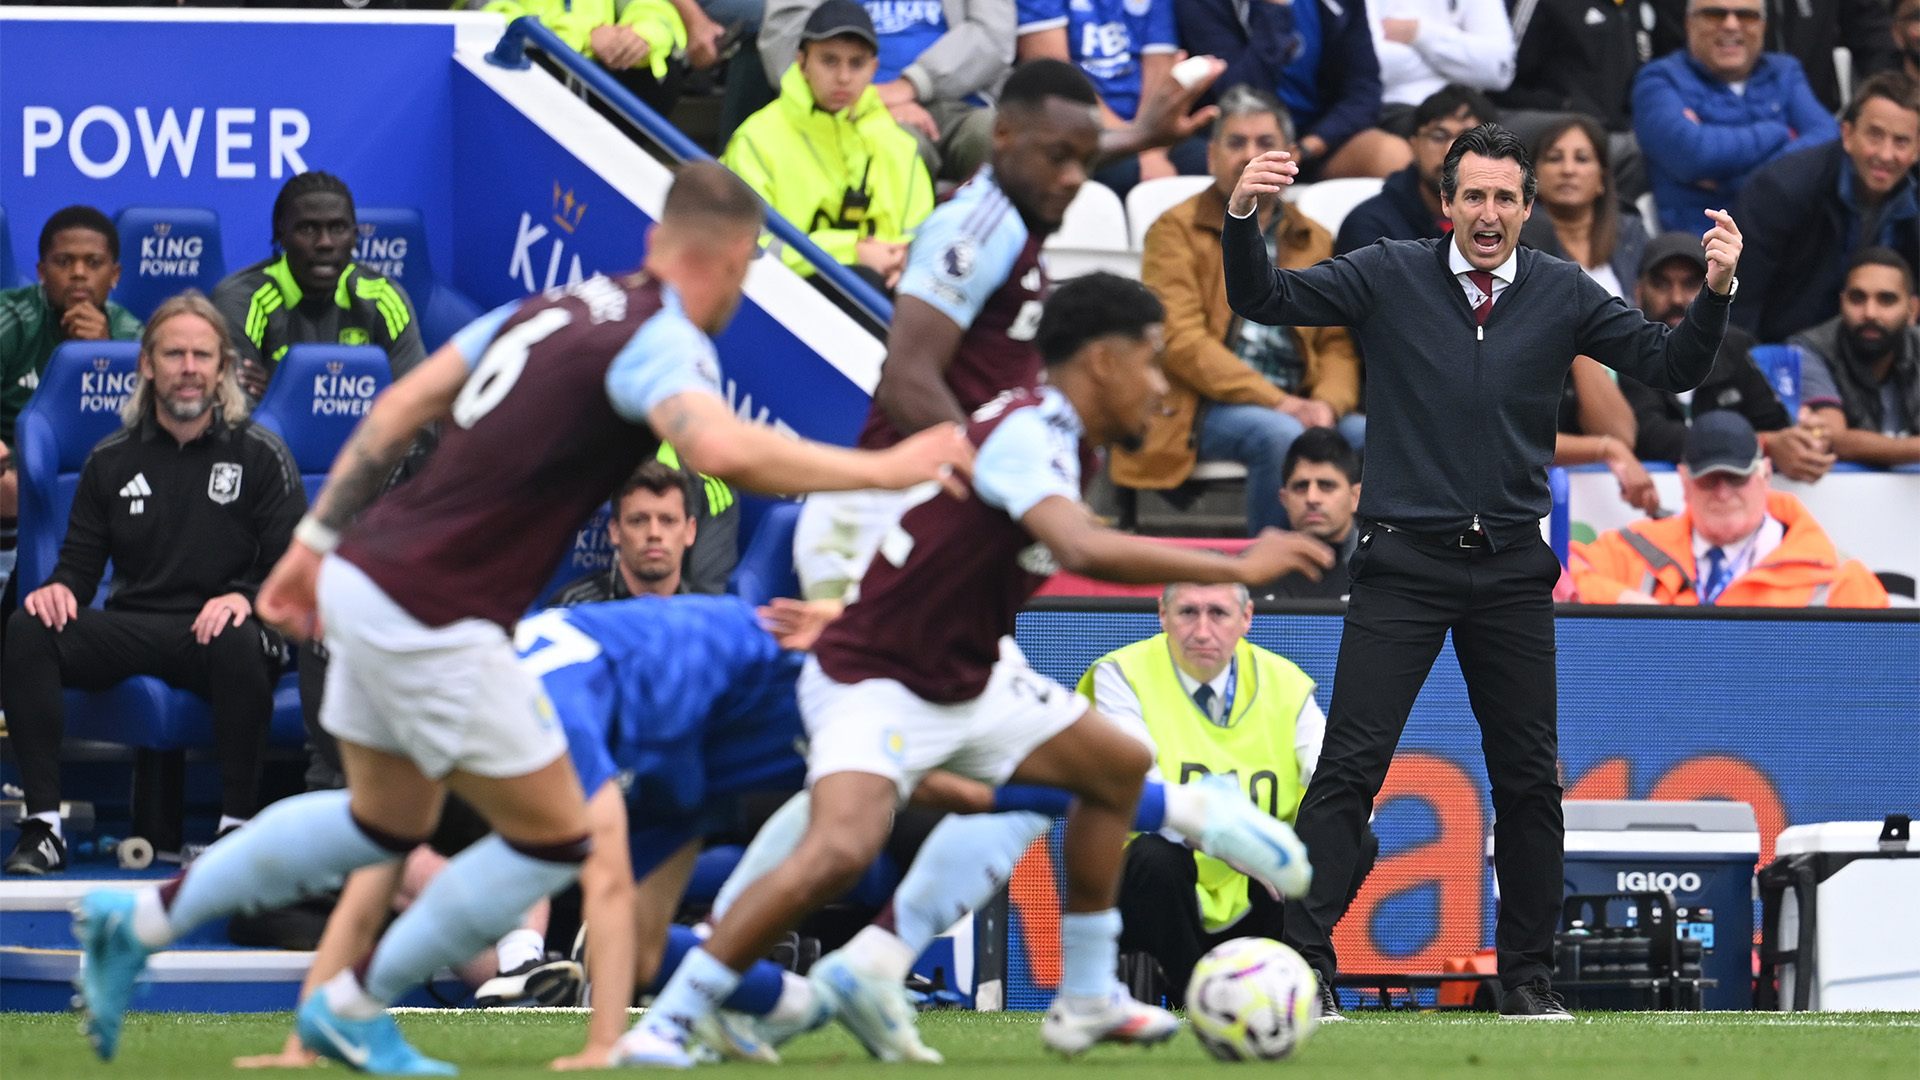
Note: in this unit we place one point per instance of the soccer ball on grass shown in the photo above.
(1252, 999)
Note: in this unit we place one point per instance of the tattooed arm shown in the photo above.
(424, 395)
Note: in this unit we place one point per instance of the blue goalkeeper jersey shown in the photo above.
(686, 702)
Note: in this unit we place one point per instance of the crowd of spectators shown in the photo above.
(1641, 115)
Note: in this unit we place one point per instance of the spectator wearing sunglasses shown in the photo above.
(1709, 116)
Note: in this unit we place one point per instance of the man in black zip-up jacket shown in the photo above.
(191, 502)
(1468, 342)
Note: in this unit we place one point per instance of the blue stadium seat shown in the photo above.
(592, 550)
(10, 275)
(78, 404)
(393, 242)
(765, 569)
(166, 250)
(318, 394)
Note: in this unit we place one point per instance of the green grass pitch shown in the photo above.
(1711, 1046)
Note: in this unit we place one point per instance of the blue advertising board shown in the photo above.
(543, 217)
(1807, 721)
(191, 112)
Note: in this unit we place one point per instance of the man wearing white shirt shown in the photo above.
(1208, 701)
(1425, 44)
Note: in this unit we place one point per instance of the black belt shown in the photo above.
(1470, 540)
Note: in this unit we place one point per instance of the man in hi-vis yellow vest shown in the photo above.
(1208, 701)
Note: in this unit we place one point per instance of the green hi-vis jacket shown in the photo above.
(262, 307)
(804, 160)
(573, 21)
(1253, 742)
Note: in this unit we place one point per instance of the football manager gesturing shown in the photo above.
(1467, 343)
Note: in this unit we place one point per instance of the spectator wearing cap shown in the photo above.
(1737, 544)
(1318, 59)
(1125, 47)
(941, 63)
(1238, 389)
(1860, 371)
(1672, 272)
(1708, 116)
(1408, 206)
(1807, 212)
(1320, 491)
(830, 159)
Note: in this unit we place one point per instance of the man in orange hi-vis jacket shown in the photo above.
(1737, 544)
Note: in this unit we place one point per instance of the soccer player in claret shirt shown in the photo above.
(550, 404)
(913, 678)
(969, 300)
(675, 707)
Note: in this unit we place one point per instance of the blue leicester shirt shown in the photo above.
(685, 701)
(1107, 38)
(1299, 87)
(906, 29)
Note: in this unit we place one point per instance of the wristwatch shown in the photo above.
(1733, 289)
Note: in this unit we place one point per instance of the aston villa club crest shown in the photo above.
(223, 484)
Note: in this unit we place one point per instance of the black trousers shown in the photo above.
(1160, 913)
(235, 672)
(1406, 595)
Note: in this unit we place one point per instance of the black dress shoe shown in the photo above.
(1533, 1001)
(1329, 1004)
(39, 850)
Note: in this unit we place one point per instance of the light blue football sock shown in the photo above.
(297, 847)
(964, 861)
(695, 990)
(483, 893)
(1089, 953)
(776, 840)
(760, 986)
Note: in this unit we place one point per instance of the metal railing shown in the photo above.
(527, 30)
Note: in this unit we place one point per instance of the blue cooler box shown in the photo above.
(1703, 853)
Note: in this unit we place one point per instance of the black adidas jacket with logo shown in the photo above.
(182, 524)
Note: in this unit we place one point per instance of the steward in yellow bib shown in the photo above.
(1208, 701)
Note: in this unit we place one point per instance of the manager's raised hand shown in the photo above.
(1273, 170)
(1722, 243)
